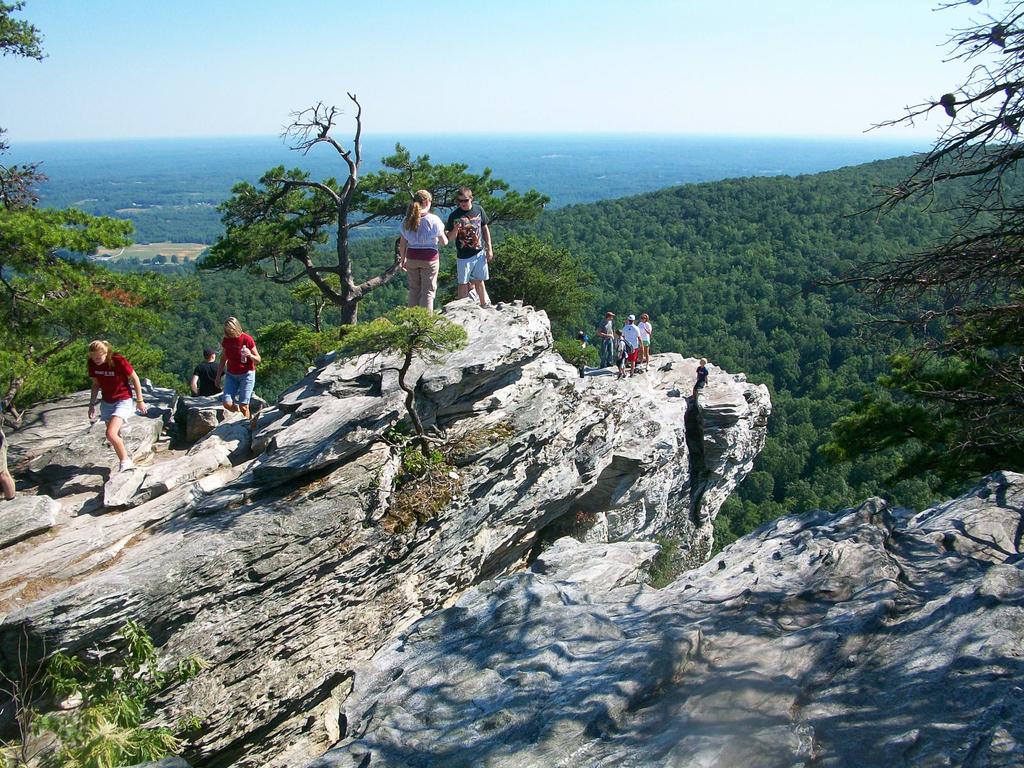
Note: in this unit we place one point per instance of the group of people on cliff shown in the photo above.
(115, 384)
(630, 344)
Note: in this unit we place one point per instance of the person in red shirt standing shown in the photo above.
(239, 358)
(113, 376)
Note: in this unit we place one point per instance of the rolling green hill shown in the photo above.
(735, 271)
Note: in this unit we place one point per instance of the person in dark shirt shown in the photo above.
(204, 377)
(702, 376)
(467, 227)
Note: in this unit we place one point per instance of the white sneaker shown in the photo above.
(126, 464)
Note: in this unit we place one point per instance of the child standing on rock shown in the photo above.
(702, 376)
(619, 351)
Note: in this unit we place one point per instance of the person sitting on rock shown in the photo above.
(702, 376)
(6, 481)
(204, 376)
(239, 358)
(113, 376)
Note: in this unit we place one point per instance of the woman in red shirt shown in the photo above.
(113, 376)
(240, 358)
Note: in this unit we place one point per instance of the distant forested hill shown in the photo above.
(729, 270)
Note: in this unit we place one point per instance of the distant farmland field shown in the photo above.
(149, 251)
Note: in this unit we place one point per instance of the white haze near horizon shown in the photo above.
(570, 169)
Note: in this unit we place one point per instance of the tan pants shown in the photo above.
(422, 282)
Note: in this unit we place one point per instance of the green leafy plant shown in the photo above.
(112, 701)
(665, 567)
(575, 354)
(427, 485)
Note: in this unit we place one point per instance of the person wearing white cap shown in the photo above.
(631, 335)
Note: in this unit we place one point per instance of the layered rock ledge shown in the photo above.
(871, 637)
(266, 553)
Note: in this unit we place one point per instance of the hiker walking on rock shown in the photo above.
(237, 367)
(467, 225)
(113, 377)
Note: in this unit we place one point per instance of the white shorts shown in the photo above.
(123, 408)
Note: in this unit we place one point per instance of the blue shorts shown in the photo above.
(473, 268)
(238, 387)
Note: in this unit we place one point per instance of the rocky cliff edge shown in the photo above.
(272, 555)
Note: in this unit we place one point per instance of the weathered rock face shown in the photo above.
(871, 637)
(280, 570)
(26, 516)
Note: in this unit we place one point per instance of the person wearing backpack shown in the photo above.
(631, 336)
(619, 353)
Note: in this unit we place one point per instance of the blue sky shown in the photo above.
(149, 68)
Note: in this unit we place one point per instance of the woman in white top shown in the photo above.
(645, 339)
(422, 234)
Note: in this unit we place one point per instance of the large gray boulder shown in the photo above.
(198, 416)
(286, 570)
(870, 637)
(25, 516)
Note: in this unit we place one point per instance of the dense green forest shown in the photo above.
(736, 271)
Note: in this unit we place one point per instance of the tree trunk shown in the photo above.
(349, 311)
(7, 404)
(410, 405)
(318, 310)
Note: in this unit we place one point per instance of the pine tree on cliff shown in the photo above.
(409, 332)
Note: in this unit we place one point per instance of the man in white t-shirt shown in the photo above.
(631, 335)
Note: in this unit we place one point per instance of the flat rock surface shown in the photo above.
(870, 637)
(25, 516)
